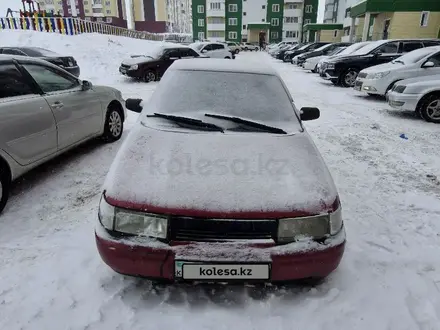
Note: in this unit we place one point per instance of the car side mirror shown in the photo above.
(166, 57)
(428, 64)
(86, 85)
(134, 105)
(204, 51)
(309, 113)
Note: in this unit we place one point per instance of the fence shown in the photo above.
(72, 26)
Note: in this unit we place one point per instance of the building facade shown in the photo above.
(245, 20)
(108, 11)
(162, 15)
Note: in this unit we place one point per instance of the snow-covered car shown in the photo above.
(249, 46)
(421, 94)
(46, 111)
(234, 47)
(312, 63)
(349, 50)
(381, 78)
(212, 186)
(213, 49)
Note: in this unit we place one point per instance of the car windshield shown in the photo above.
(322, 48)
(415, 55)
(368, 48)
(36, 52)
(337, 51)
(352, 48)
(256, 97)
(197, 46)
(304, 47)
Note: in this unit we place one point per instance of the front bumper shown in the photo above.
(130, 73)
(370, 86)
(309, 65)
(403, 101)
(157, 260)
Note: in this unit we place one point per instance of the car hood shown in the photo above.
(317, 58)
(137, 60)
(420, 79)
(386, 67)
(347, 58)
(220, 173)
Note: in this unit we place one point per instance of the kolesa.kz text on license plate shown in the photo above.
(225, 272)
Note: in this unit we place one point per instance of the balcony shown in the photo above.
(347, 22)
(215, 27)
(328, 15)
(293, 13)
(215, 12)
(294, 1)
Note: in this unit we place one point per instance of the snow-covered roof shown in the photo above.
(223, 65)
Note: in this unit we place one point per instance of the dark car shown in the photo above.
(151, 67)
(290, 48)
(288, 57)
(67, 63)
(343, 70)
(321, 51)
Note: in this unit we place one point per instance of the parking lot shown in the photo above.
(385, 164)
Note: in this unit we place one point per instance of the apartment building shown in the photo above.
(108, 11)
(160, 16)
(338, 12)
(244, 20)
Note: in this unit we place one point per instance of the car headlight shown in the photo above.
(134, 67)
(132, 222)
(378, 75)
(399, 89)
(316, 227)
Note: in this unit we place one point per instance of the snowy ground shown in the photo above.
(51, 276)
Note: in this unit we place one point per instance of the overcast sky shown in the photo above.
(16, 5)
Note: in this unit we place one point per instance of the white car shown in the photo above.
(248, 46)
(312, 63)
(381, 78)
(234, 47)
(213, 49)
(421, 95)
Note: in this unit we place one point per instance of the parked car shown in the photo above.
(234, 47)
(344, 70)
(421, 94)
(67, 63)
(250, 46)
(45, 111)
(213, 49)
(152, 66)
(163, 222)
(289, 56)
(312, 62)
(379, 79)
(323, 50)
(348, 51)
(280, 51)
(282, 43)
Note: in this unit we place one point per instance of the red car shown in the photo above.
(220, 181)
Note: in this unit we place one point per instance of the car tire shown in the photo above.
(227, 58)
(114, 124)
(348, 78)
(429, 105)
(246, 49)
(5, 184)
(150, 76)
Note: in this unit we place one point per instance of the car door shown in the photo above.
(207, 50)
(169, 56)
(78, 113)
(220, 51)
(186, 53)
(385, 53)
(28, 131)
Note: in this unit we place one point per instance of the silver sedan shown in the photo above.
(45, 111)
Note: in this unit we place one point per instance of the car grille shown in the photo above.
(362, 75)
(124, 66)
(208, 230)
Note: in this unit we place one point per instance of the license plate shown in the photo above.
(221, 271)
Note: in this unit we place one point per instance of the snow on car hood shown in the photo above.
(419, 79)
(385, 67)
(137, 60)
(220, 173)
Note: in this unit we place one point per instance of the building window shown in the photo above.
(424, 19)
(108, 20)
(201, 35)
(307, 21)
(244, 13)
(263, 7)
(292, 6)
(290, 34)
(200, 9)
(69, 11)
(244, 27)
(201, 22)
(233, 8)
(335, 33)
(97, 10)
(291, 20)
(276, 8)
(233, 21)
(274, 35)
(275, 22)
(309, 9)
(232, 35)
(108, 3)
(216, 6)
(86, 11)
(86, 3)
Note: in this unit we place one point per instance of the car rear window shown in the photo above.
(254, 96)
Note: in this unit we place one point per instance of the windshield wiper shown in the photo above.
(398, 61)
(249, 123)
(186, 121)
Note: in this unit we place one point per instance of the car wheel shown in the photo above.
(246, 49)
(430, 108)
(114, 124)
(349, 77)
(5, 183)
(150, 76)
(227, 58)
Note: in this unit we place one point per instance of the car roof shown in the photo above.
(176, 45)
(222, 65)
(25, 59)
